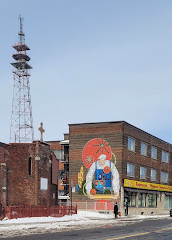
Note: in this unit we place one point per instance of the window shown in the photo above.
(153, 175)
(168, 202)
(141, 200)
(30, 166)
(153, 152)
(44, 183)
(132, 199)
(143, 149)
(164, 177)
(130, 169)
(152, 200)
(131, 144)
(143, 172)
(165, 157)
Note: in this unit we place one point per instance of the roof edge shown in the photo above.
(123, 122)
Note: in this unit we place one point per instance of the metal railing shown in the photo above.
(39, 211)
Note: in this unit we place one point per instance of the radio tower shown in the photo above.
(21, 129)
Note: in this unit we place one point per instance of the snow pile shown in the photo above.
(85, 216)
(84, 219)
(25, 226)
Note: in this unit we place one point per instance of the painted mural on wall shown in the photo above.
(102, 176)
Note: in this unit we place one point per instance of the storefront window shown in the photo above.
(168, 202)
(132, 199)
(152, 200)
(141, 200)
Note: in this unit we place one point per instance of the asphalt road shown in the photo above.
(145, 230)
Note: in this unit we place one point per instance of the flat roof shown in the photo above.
(124, 122)
(72, 124)
(3, 144)
(63, 142)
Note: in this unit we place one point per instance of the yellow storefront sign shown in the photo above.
(146, 185)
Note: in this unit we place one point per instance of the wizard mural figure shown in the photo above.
(102, 176)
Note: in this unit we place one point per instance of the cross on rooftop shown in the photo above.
(41, 130)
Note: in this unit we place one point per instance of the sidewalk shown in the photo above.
(84, 219)
(81, 216)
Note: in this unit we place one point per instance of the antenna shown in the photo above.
(21, 129)
(21, 33)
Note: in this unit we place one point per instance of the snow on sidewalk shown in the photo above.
(84, 219)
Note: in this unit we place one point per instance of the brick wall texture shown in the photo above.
(116, 134)
(23, 187)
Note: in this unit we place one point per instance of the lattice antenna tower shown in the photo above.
(21, 129)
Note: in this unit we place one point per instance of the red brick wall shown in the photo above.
(20, 184)
(79, 135)
(1, 154)
(3, 177)
(22, 188)
(55, 145)
(116, 134)
(139, 160)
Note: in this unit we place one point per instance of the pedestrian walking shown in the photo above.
(116, 210)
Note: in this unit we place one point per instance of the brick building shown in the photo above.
(139, 163)
(2, 174)
(28, 174)
(61, 150)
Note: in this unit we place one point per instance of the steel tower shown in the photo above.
(21, 129)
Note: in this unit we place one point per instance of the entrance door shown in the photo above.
(126, 206)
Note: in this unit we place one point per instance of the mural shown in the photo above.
(102, 176)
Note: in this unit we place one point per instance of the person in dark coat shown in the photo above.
(116, 210)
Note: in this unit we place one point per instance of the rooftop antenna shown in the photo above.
(21, 33)
(21, 129)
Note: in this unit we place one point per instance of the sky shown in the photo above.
(93, 61)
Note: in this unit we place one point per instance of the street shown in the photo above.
(145, 230)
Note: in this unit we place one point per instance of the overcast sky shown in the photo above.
(93, 61)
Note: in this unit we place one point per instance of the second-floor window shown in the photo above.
(164, 177)
(143, 150)
(165, 156)
(130, 169)
(153, 152)
(153, 175)
(143, 172)
(131, 144)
